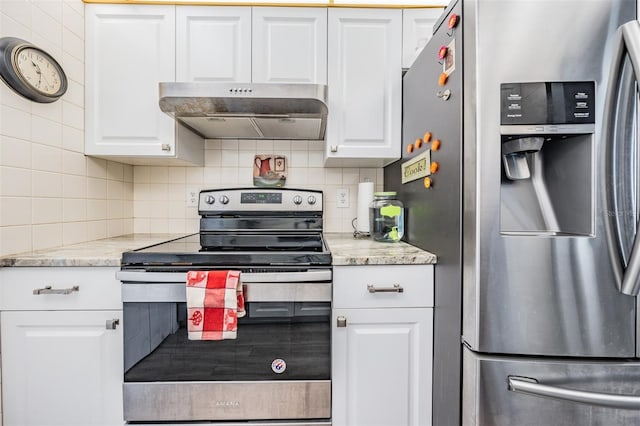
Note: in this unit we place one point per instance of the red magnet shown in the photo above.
(453, 20)
(442, 52)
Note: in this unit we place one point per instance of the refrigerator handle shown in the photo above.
(531, 386)
(627, 42)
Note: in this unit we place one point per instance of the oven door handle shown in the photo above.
(249, 277)
(254, 292)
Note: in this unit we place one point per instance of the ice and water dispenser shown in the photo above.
(547, 148)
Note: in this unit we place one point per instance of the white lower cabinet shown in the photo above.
(62, 348)
(382, 342)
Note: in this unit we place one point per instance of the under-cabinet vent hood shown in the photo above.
(248, 111)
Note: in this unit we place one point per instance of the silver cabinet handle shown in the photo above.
(341, 321)
(531, 386)
(397, 288)
(112, 324)
(49, 290)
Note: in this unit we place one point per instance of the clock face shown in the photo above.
(38, 70)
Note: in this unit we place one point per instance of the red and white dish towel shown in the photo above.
(214, 303)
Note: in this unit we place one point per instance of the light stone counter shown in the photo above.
(106, 252)
(345, 250)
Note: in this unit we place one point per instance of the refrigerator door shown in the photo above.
(533, 391)
(537, 282)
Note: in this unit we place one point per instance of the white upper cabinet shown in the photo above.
(417, 29)
(213, 44)
(129, 50)
(365, 87)
(289, 45)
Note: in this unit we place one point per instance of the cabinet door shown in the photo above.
(381, 363)
(417, 29)
(213, 43)
(289, 45)
(129, 50)
(365, 81)
(61, 368)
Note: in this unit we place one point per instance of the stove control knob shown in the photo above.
(209, 199)
(311, 200)
(297, 200)
(224, 199)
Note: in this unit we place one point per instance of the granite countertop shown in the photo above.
(345, 250)
(105, 252)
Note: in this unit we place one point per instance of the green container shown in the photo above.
(386, 215)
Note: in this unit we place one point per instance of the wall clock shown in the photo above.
(30, 71)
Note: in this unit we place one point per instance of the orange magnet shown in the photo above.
(427, 137)
(410, 148)
(442, 80)
(434, 167)
(435, 145)
(427, 182)
(442, 52)
(453, 20)
(418, 143)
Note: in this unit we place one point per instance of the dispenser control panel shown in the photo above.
(547, 103)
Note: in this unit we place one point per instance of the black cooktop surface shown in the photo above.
(242, 249)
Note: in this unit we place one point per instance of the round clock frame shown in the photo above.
(30, 71)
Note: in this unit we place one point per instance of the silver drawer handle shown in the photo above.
(49, 290)
(395, 289)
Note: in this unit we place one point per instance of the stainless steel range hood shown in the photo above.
(248, 111)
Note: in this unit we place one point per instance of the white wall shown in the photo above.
(50, 193)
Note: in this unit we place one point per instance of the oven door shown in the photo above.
(277, 368)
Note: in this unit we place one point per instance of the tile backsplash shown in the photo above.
(50, 193)
(160, 193)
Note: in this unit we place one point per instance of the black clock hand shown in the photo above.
(37, 72)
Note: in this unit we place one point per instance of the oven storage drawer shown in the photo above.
(60, 288)
(383, 286)
(274, 400)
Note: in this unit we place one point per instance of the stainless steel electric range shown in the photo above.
(274, 237)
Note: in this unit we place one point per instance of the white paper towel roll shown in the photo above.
(365, 197)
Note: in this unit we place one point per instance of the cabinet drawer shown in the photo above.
(97, 288)
(383, 286)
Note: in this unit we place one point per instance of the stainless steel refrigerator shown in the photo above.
(520, 171)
